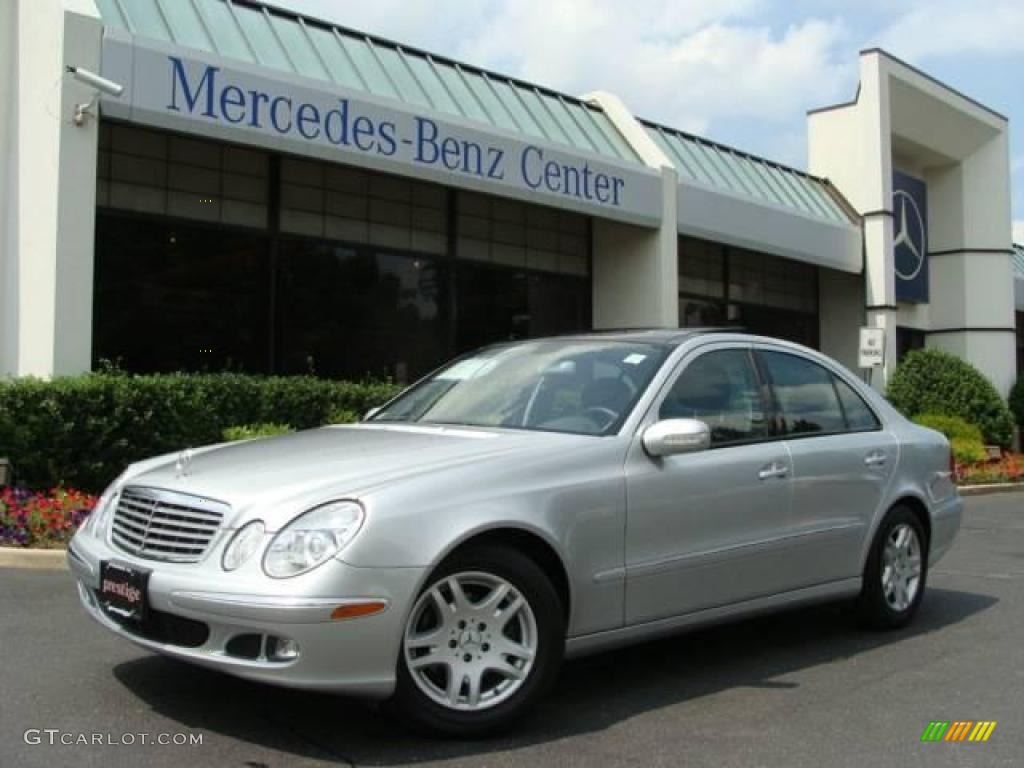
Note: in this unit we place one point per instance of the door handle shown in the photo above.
(876, 459)
(775, 469)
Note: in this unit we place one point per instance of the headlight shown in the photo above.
(243, 546)
(312, 538)
(97, 521)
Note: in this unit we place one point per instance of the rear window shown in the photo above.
(859, 417)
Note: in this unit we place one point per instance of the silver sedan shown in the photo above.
(529, 501)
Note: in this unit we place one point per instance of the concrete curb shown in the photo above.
(985, 490)
(36, 559)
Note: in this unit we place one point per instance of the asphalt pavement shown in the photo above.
(804, 688)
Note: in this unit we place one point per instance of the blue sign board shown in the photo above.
(910, 237)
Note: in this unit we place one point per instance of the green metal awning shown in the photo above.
(724, 169)
(261, 34)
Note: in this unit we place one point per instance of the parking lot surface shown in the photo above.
(805, 688)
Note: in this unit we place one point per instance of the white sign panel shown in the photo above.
(872, 348)
(203, 93)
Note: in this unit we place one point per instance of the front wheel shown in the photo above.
(483, 642)
(896, 571)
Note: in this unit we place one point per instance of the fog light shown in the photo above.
(282, 649)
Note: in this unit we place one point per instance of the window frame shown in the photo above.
(778, 415)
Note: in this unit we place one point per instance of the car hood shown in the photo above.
(282, 476)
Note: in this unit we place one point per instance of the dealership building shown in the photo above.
(280, 194)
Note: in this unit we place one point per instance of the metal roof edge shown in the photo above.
(729, 148)
(412, 49)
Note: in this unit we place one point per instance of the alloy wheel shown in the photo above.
(471, 641)
(901, 567)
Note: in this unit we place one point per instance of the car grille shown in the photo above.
(161, 525)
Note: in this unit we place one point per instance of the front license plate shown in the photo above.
(123, 590)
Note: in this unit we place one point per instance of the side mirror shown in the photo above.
(672, 436)
(371, 413)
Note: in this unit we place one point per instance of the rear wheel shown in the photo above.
(482, 644)
(896, 571)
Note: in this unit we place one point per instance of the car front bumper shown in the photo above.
(194, 618)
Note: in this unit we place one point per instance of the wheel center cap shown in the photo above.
(469, 637)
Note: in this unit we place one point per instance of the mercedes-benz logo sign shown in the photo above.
(909, 244)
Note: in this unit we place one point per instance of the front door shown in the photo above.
(707, 529)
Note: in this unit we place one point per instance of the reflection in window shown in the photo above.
(764, 294)
(353, 312)
(172, 298)
(560, 385)
(858, 415)
(804, 393)
(699, 313)
(720, 389)
(500, 304)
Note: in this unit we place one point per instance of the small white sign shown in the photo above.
(872, 348)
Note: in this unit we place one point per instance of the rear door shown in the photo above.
(708, 529)
(842, 461)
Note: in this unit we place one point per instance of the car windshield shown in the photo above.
(585, 387)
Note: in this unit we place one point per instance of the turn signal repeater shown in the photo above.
(358, 610)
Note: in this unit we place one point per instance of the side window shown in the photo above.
(721, 389)
(858, 415)
(805, 394)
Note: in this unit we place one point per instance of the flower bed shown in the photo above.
(43, 520)
(1008, 469)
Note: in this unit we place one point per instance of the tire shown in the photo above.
(890, 597)
(492, 580)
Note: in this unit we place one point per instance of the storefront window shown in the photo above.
(171, 297)
(761, 293)
(500, 304)
(202, 264)
(347, 312)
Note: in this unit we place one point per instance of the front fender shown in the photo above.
(575, 504)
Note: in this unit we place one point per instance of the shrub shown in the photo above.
(933, 381)
(82, 431)
(967, 451)
(1017, 402)
(251, 431)
(965, 439)
(343, 416)
(43, 520)
(951, 426)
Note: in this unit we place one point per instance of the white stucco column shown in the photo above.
(8, 179)
(49, 197)
(635, 269)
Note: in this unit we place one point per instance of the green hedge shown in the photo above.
(933, 381)
(82, 431)
(253, 431)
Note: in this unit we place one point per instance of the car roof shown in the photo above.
(669, 337)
